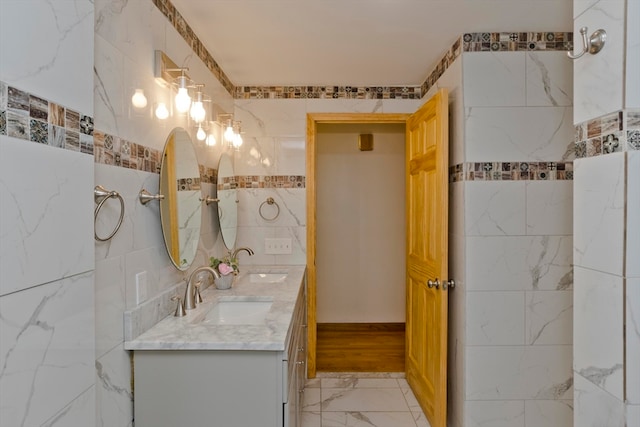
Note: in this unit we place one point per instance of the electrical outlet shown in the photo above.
(141, 287)
(277, 246)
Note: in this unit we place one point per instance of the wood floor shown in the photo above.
(360, 347)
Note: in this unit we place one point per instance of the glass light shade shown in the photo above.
(198, 113)
(211, 140)
(138, 99)
(201, 134)
(229, 134)
(183, 100)
(161, 111)
(237, 140)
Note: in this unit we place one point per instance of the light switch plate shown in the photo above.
(277, 246)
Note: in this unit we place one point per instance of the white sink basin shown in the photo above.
(267, 277)
(250, 310)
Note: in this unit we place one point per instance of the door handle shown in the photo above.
(448, 283)
(431, 283)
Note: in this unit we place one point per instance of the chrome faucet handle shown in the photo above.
(180, 308)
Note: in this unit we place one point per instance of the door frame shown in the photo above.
(313, 119)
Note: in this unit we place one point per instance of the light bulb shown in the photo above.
(229, 134)
(198, 112)
(237, 140)
(201, 134)
(161, 111)
(138, 99)
(211, 140)
(183, 100)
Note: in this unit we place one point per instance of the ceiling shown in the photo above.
(352, 42)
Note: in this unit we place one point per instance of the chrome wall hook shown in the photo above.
(592, 44)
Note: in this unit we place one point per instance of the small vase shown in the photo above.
(224, 282)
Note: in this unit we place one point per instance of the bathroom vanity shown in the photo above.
(237, 360)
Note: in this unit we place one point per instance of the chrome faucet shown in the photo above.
(190, 293)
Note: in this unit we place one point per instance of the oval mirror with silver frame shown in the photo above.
(228, 201)
(180, 210)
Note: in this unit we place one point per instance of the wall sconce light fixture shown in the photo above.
(162, 112)
(169, 74)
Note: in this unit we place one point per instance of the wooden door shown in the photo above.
(427, 215)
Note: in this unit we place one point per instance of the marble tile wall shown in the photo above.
(606, 233)
(606, 292)
(517, 227)
(47, 334)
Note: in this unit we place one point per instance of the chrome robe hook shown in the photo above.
(592, 44)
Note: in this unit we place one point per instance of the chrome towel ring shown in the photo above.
(101, 195)
(269, 201)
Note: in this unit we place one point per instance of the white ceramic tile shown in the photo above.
(290, 156)
(513, 263)
(257, 156)
(594, 407)
(359, 383)
(48, 348)
(65, 41)
(311, 419)
(549, 207)
(598, 79)
(598, 204)
(549, 317)
(517, 372)
(367, 419)
(421, 419)
(633, 415)
(598, 329)
(495, 318)
(549, 79)
(311, 399)
(109, 304)
(363, 400)
(344, 106)
(407, 106)
(269, 117)
(47, 224)
(494, 208)
(499, 413)
(632, 340)
(494, 79)
(518, 134)
(546, 413)
(633, 214)
(632, 58)
(108, 87)
(80, 412)
(113, 388)
(579, 7)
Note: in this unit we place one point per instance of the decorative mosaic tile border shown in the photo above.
(115, 151)
(32, 118)
(264, 181)
(328, 92)
(611, 133)
(511, 171)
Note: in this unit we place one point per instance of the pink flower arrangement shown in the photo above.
(225, 266)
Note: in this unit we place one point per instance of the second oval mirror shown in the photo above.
(228, 201)
(180, 210)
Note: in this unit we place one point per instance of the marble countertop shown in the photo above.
(186, 333)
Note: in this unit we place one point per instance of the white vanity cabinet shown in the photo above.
(224, 388)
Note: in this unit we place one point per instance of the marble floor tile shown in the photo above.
(361, 400)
